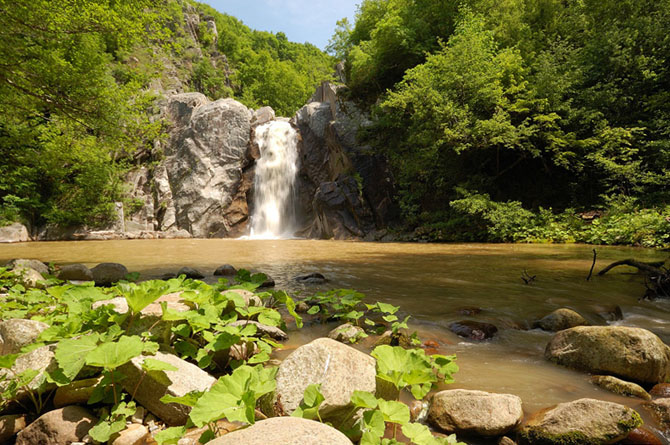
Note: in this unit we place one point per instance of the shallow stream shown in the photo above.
(433, 283)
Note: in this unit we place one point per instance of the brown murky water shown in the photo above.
(431, 282)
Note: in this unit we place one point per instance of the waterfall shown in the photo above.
(276, 170)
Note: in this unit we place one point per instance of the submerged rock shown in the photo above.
(17, 333)
(285, 431)
(75, 272)
(190, 272)
(621, 387)
(347, 333)
(582, 422)
(660, 411)
(630, 353)
(641, 436)
(661, 390)
(561, 319)
(185, 379)
(106, 274)
(340, 370)
(58, 427)
(473, 330)
(475, 412)
(311, 278)
(226, 270)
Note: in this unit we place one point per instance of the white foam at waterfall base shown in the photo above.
(273, 214)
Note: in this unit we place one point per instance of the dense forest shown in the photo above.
(519, 120)
(81, 82)
(513, 120)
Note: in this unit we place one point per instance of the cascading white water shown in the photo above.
(276, 170)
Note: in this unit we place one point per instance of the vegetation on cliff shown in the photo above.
(504, 120)
(80, 85)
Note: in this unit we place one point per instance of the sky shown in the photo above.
(302, 21)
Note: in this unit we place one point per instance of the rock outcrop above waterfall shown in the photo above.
(201, 179)
(344, 190)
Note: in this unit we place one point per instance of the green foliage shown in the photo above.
(413, 369)
(311, 403)
(80, 86)
(534, 104)
(234, 396)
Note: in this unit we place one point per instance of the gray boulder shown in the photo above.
(106, 274)
(584, 421)
(33, 264)
(561, 319)
(58, 427)
(75, 272)
(17, 333)
(41, 359)
(29, 278)
(475, 412)
(204, 158)
(187, 378)
(630, 353)
(14, 233)
(340, 370)
(285, 431)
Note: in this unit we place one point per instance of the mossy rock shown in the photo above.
(582, 422)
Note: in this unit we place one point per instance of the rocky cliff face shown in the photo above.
(345, 191)
(201, 183)
(200, 179)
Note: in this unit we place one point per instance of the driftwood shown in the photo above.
(657, 277)
(651, 268)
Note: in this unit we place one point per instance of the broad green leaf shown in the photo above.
(234, 396)
(142, 295)
(395, 412)
(311, 402)
(363, 399)
(7, 361)
(314, 310)
(170, 436)
(420, 435)
(151, 364)
(71, 353)
(189, 399)
(111, 355)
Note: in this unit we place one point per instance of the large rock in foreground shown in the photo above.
(630, 353)
(58, 427)
(185, 379)
(475, 412)
(582, 422)
(284, 431)
(340, 370)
